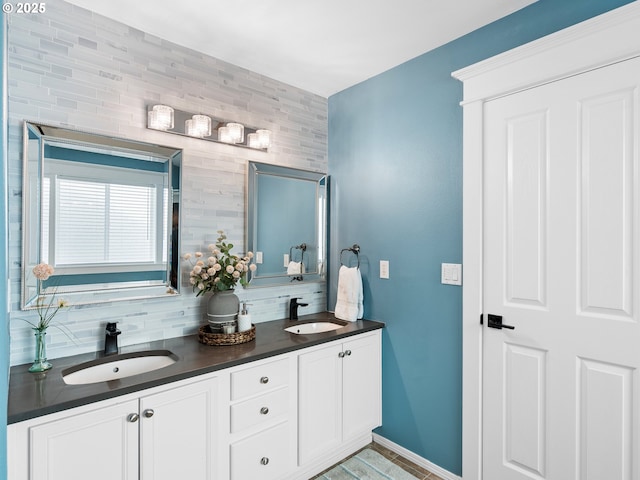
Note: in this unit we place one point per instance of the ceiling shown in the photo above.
(322, 46)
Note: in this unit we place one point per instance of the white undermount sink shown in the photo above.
(118, 366)
(314, 327)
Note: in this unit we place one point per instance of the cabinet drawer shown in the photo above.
(259, 410)
(262, 378)
(265, 456)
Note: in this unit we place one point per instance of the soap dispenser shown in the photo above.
(244, 319)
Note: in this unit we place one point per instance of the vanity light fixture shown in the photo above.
(236, 132)
(260, 139)
(160, 117)
(198, 125)
(224, 135)
(252, 140)
(264, 138)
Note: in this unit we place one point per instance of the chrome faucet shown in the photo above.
(293, 308)
(111, 339)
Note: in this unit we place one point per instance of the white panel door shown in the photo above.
(101, 444)
(562, 265)
(319, 402)
(361, 381)
(178, 433)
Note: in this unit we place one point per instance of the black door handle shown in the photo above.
(495, 321)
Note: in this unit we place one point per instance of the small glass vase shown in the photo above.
(40, 363)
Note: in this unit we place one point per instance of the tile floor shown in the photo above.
(415, 470)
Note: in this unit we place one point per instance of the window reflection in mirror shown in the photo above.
(286, 224)
(103, 212)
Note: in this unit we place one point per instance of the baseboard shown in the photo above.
(417, 459)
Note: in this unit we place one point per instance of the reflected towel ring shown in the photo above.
(303, 248)
(355, 249)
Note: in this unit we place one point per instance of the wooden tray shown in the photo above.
(205, 336)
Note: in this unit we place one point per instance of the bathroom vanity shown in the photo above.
(283, 406)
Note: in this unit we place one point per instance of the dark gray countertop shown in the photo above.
(33, 395)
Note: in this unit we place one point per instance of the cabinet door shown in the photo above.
(319, 402)
(101, 445)
(177, 433)
(361, 386)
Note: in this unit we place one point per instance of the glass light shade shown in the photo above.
(224, 135)
(253, 141)
(198, 126)
(264, 138)
(160, 117)
(236, 132)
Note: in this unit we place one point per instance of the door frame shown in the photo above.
(597, 42)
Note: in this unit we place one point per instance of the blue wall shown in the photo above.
(4, 266)
(395, 159)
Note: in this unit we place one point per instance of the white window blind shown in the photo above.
(100, 222)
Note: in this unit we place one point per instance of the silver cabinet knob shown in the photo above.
(264, 380)
(264, 410)
(133, 417)
(264, 460)
(347, 353)
(148, 413)
(341, 355)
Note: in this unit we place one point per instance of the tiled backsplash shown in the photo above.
(74, 68)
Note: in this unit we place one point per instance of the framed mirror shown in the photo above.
(286, 224)
(103, 212)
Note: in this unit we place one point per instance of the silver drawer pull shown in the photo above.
(264, 410)
(264, 460)
(148, 413)
(264, 380)
(133, 417)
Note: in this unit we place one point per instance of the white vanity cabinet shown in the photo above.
(339, 395)
(284, 417)
(168, 434)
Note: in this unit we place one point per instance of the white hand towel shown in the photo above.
(295, 268)
(349, 304)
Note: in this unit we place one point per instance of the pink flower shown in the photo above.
(43, 271)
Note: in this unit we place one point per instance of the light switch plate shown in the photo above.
(258, 257)
(451, 274)
(384, 268)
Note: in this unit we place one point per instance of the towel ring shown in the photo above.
(355, 249)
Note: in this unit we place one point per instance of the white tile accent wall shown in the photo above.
(74, 68)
